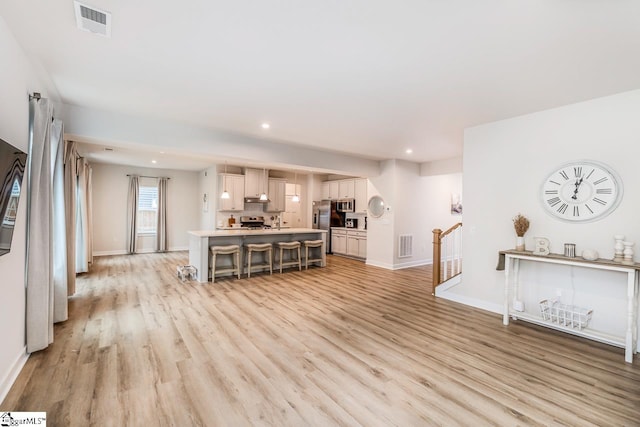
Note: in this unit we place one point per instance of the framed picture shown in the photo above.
(456, 204)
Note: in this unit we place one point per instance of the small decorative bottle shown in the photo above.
(618, 248)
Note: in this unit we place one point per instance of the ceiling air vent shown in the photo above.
(93, 20)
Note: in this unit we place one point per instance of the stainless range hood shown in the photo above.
(255, 200)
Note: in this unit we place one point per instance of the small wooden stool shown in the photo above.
(313, 244)
(290, 246)
(225, 250)
(259, 247)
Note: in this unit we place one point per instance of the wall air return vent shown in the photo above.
(405, 245)
(93, 20)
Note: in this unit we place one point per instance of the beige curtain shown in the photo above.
(70, 183)
(59, 243)
(132, 214)
(84, 251)
(39, 282)
(161, 233)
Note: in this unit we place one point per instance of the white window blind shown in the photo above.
(147, 209)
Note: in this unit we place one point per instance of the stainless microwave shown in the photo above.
(346, 205)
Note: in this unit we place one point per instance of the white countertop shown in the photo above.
(241, 232)
(348, 229)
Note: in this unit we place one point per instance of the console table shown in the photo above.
(510, 259)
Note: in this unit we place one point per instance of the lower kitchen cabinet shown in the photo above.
(338, 241)
(352, 243)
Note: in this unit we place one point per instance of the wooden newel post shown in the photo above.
(436, 258)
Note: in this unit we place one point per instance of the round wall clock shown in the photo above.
(581, 191)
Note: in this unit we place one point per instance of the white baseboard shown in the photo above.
(9, 378)
(398, 266)
(445, 293)
(143, 251)
(410, 264)
(108, 253)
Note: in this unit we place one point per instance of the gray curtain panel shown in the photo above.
(39, 282)
(132, 214)
(70, 183)
(60, 306)
(161, 236)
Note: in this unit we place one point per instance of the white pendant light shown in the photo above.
(295, 197)
(225, 193)
(263, 196)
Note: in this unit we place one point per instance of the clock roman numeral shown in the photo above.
(604, 191)
(588, 208)
(577, 171)
(563, 208)
(576, 211)
(551, 192)
(564, 175)
(553, 182)
(602, 202)
(600, 181)
(553, 201)
(589, 176)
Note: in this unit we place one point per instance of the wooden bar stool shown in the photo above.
(225, 250)
(291, 246)
(259, 247)
(313, 244)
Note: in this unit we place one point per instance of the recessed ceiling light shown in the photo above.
(408, 151)
(154, 162)
(162, 152)
(266, 125)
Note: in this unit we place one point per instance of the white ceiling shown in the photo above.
(369, 77)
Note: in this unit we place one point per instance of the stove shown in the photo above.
(252, 222)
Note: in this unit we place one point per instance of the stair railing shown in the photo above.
(447, 254)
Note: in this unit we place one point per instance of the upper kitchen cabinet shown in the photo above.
(361, 196)
(330, 190)
(346, 189)
(234, 184)
(277, 195)
(255, 182)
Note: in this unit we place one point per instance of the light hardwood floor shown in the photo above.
(349, 344)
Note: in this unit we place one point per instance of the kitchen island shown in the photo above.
(200, 241)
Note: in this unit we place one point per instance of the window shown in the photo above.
(12, 206)
(147, 210)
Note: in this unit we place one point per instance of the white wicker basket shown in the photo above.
(570, 316)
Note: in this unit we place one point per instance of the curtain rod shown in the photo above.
(146, 176)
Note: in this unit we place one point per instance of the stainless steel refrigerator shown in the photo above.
(326, 216)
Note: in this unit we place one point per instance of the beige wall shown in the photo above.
(110, 187)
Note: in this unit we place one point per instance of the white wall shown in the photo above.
(504, 165)
(110, 188)
(17, 80)
(416, 205)
(208, 185)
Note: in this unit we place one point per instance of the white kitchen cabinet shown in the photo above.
(334, 190)
(255, 182)
(361, 196)
(357, 243)
(330, 190)
(325, 191)
(346, 189)
(348, 242)
(234, 184)
(339, 241)
(276, 193)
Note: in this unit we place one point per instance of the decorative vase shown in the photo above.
(520, 243)
(618, 248)
(628, 253)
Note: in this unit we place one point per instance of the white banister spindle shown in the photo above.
(444, 255)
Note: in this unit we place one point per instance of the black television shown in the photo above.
(12, 165)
